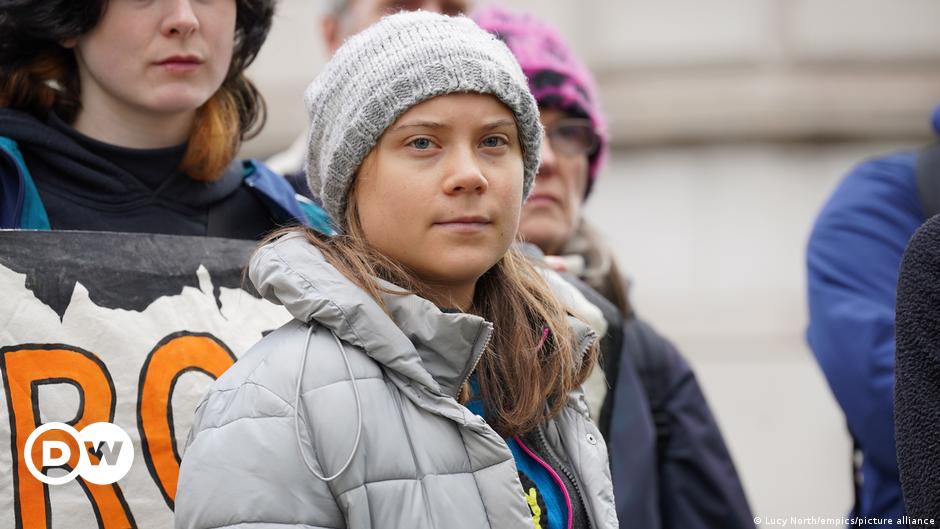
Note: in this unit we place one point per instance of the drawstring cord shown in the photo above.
(297, 403)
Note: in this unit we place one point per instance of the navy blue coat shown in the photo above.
(668, 459)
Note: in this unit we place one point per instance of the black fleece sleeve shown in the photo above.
(917, 372)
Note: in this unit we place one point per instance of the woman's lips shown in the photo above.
(180, 64)
(465, 224)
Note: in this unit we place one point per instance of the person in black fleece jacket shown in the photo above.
(917, 372)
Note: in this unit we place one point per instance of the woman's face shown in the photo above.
(158, 57)
(551, 214)
(441, 191)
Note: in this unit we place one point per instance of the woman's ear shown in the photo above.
(69, 43)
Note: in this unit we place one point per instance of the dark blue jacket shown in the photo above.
(697, 485)
(853, 258)
(668, 460)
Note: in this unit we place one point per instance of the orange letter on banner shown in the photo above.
(175, 355)
(25, 368)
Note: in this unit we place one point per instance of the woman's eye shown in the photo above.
(494, 141)
(421, 143)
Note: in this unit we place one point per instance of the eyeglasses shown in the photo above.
(572, 137)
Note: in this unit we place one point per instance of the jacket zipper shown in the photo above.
(554, 475)
(585, 344)
(590, 339)
(479, 356)
(568, 473)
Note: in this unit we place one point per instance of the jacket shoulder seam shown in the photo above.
(253, 383)
(238, 419)
(341, 381)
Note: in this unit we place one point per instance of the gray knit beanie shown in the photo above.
(379, 74)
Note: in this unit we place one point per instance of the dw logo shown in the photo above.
(107, 442)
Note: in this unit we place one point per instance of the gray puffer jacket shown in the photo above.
(417, 459)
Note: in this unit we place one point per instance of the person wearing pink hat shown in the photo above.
(670, 465)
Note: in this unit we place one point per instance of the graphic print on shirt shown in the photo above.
(535, 501)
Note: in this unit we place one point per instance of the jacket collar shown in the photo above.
(414, 338)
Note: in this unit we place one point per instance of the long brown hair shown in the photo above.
(38, 75)
(524, 377)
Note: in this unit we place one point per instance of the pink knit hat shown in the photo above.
(556, 78)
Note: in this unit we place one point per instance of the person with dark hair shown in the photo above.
(430, 377)
(670, 465)
(852, 259)
(127, 116)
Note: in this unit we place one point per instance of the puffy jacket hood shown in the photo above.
(293, 273)
(415, 338)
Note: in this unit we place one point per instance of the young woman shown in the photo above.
(125, 115)
(669, 462)
(430, 378)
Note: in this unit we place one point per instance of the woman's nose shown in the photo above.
(180, 19)
(465, 173)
